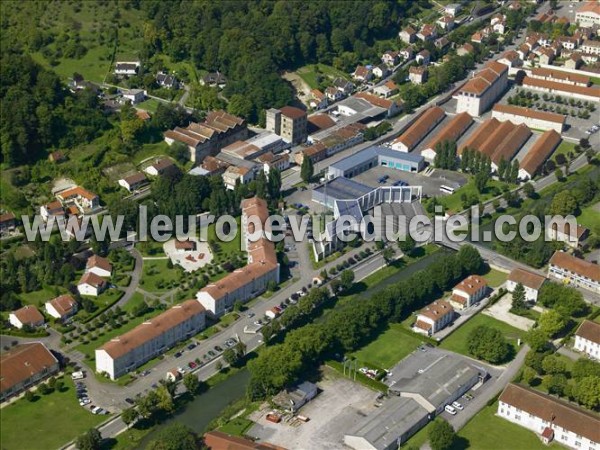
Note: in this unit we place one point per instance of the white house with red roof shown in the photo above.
(587, 339)
(91, 284)
(27, 315)
(434, 317)
(61, 307)
(468, 292)
(99, 266)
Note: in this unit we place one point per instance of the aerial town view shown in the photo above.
(301, 225)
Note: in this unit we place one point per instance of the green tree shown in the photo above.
(563, 204)
(129, 416)
(537, 339)
(407, 245)
(175, 437)
(480, 181)
(91, 440)
(191, 383)
(489, 344)
(307, 170)
(347, 279)
(388, 255)
(587, 392)
(518, 298)
(553, 365)
(29, 396)
(552, 322)
(441, 435)
(528, 190)
(555, 384)
(585, 368)
(529, 375)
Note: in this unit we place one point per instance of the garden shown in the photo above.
(552, 103)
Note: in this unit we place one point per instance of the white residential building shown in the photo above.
(589, 14)
(574, 271)
(481, 91)
(27, 315)
(99, 266)
(434, 317)
(61, 307)
(126, 67)
(468, 292)
(91, 284)
(532, 282)
(550, 418)
(587, 339)
(150, 339)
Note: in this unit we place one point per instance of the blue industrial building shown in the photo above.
(376, 156)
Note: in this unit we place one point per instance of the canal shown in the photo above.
(203, 409)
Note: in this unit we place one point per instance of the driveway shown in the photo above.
(501, 311)
(136, 274)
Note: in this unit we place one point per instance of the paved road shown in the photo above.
(136, 274)
(480, 401)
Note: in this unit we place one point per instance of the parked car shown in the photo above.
(177, 355)
(212, 354)
(457, 406)
(450, 410)
(129, 400)
(191, 346)
(192, 365)
(251, 315)
(218, 349)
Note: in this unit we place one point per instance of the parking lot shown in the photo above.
(431, 184)
(340, 404)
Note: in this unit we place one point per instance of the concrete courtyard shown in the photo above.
(190, 260)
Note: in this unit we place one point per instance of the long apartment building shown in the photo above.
(587, 339)
(451, 132)
(532, 118)
(24, 366)
(468, 292)
(481, 91)
(574, 271)
(560, 76)
(218, 130)
(252, 280)
(568, 90)
(550, 418)
(150, 339)
(419, 129)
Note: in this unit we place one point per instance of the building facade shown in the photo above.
(574, 271)
(288, 122)
(481, 91)
(468, 292)
(587, 339)
(434, 318)
(531, 282)
(150, 339)
(550, 418)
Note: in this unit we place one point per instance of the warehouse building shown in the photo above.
(419, 129)
(420, 387)
(376, 156)
(481, 91)
(532, 118)
(451, 132)
(541, 150)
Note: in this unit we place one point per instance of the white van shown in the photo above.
(450, 410)
(77, 375)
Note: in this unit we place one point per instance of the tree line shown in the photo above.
(350, 326)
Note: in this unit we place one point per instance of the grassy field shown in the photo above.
(454, 202)
(50, 421)
(157, 277)
(237, 426)
(41, 296)
(391, 346)
(495, 277)
(150, 150)
(487, 431)
(149, 105)
(459, 340)
(225, 249)
(590, 218)
(309, 73)
(564, 148)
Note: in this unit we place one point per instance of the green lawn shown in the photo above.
(237, 426)
(225, 249)
(309, 74)
(495, 277)
(43, 295)
(487, 431)
(149, 105)
(157, 277)
(590, 218)
(391, 346)
(150, 150)
(454, 202)
(51, 421)
(89, 348)
(564, 148)
(458, 341)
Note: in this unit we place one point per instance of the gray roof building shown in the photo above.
(375, 156)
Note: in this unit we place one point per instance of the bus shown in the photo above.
(446, 189)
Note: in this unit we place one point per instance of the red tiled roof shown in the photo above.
(100, 262)
(562, 87)
(527, 279)
(480, 135)
(589, 330)
(530, 113)
(453, 129)
(92, 279)
(152, 328)
(292, 112)
(217, 440)
(23, 362)
(29, 315)
(437, 310)
(576, 265)
(540, 151)
(63, 304)
(77, 191)
(471, 284)
(421, 127)
(553, 410)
